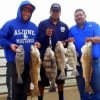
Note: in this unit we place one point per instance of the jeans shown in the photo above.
(81, 85)
(17, 91)
(95, 81)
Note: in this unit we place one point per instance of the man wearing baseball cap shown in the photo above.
(58, 31)
(55, 7)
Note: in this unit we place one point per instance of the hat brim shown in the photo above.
(29, 6)
(55, 10)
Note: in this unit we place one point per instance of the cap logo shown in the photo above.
(56, 6)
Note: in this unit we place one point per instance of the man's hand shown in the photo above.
(13, 47)
(37, 44)
(49, 31)
(89, 39)
(70, 39)
(64, 43)
(93, 39)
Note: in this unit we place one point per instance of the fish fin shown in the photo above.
(35, 91)
(39, 77)
(65, 51)
(19, 80)
(75, 73)
(67, 66)
(52, 88)
(78, 64)
(77, 54)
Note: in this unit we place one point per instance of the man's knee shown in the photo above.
(60, 87)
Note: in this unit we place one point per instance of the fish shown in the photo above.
(35, 64)
(86, 60)
(49, 64)
(71, 58)
(60, 60)
(19, 60)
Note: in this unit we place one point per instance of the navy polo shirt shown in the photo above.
(90, 29)
(60, 33)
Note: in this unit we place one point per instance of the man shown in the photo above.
(18, 31)
(83, 32)
(58, 31)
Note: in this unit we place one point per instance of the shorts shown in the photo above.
(45, 81)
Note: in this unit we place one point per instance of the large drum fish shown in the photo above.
(35, 69)
(71, 58)
(60, 59)
(19, 60)
(86, 60)
(49, 63)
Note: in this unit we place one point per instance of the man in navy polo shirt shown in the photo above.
(58, 31)
(83, 32)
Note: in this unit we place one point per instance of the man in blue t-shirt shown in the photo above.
(82, 32)
(18, 31)
(58, 31)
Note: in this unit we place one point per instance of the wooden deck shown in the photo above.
(70, 93)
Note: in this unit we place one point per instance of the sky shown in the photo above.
(8, 10)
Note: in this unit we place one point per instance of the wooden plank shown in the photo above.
(70, 93)
(1, 53)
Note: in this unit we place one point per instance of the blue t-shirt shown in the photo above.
(90, 29)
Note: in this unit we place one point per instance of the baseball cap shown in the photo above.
(29, 6)
(55, 7)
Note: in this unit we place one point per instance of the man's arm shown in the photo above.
(93, 39)
(96, 34)
(4, 34)
(41, 36)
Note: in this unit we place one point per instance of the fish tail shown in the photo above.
(52, 86)
(62, 76)
(35, 91)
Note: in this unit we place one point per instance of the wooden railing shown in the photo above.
(70, 81)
